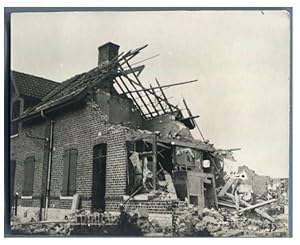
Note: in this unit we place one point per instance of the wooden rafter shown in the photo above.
(132, 97)
(163, 109)
(153, 93)
(142, 97)
(135, 88)
(165, 86)
(163, 94)
(139, 82)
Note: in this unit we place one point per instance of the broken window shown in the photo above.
(69, 174)
(141, 167)
(28, 176)
(185, 158)
(137, 163)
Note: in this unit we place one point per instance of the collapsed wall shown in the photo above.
(259, 183)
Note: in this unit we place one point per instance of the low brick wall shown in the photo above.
(160, 210)
(25, 214)
(152, 206)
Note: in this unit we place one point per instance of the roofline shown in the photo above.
(14, 84)
(61, 104)
(27, 74)
(50, 109)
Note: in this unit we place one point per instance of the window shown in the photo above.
(28, 176)
(12, 179)
(99, 176)
(69, 174)
(15, 114)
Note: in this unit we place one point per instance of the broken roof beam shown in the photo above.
(132, 97)
(159, 99)
(202, 136)
(151, 102)
(186, 118)
(134, 86)
(189, 122)
(168, 104)
(257, 205)
(155, 95)
(151, 92)
(137, 79)
(154, 56)
(131, 54)
(163, 94)
(257, 210)
(141, 98)
(138, 69)
(187, 108)
(164, 86)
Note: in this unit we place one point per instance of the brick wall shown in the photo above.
(152, 206)
(259, 183)
(81, 129)
(23, 147)
(116, 170)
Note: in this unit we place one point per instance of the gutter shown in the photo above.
(49, 167)
(51, 108)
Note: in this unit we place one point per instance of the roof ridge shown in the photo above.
(35, 76)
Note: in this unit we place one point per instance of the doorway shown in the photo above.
(99, 176)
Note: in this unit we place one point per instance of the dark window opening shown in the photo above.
(69, 174)
(28, 176)
(99, 177)
(15, 114)
(12, 180)
(194, 200)
(140, 172)
(209, 194)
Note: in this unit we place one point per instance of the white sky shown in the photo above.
(240, 58)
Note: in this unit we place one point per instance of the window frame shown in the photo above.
(28, 176)
(68, 188)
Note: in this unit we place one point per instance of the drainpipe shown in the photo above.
(49, 165)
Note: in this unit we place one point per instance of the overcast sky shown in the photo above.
(240, 58)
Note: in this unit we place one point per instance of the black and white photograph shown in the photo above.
(149, 123)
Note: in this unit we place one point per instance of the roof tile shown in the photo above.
(33, 86)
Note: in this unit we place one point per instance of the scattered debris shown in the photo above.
(216, 196)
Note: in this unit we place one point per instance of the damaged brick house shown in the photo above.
(104, 136)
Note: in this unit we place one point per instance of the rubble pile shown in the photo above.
(225, 222)
(189, 220)
(139, 222)
(51, 229)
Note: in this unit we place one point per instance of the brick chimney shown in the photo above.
(107, 52)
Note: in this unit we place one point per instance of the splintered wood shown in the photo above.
(236, 199)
